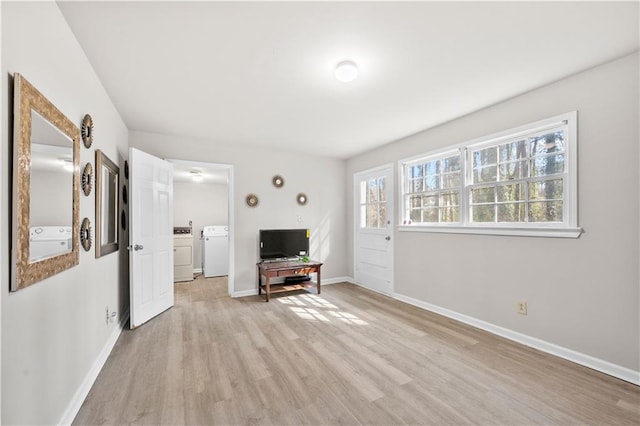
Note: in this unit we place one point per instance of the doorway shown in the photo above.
(203, 197)
(374, 224)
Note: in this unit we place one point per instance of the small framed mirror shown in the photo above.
(46, 182)
(107, 184)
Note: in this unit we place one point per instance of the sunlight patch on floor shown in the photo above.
(313, 307)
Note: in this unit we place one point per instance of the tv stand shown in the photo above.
(287, 268)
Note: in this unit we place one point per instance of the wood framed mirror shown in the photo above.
(46, 182)
(107, 185)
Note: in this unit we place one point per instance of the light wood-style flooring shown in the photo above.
(348, 356)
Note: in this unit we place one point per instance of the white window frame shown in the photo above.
(568, 228)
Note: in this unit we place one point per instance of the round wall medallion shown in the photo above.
(126, 169)
(85, 234)
(87, 178)
(87, 131)
(125, 196)
(301, 198)
(123, 220)
(278, 181)
(252, 200)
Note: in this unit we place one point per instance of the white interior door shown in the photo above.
(150, 236)
(373, 195)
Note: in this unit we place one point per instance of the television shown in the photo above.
(283, 243)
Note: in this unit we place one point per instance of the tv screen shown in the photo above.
(283, 243)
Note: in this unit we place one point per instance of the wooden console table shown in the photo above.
(286, 268)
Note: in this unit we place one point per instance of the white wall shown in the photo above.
(54, 330)
(321, 178)
(203, 204)
(582, 294)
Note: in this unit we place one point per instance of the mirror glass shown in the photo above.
(106, 205)
(50, 189)
(45, 190)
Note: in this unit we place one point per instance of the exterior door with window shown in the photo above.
(373, 195)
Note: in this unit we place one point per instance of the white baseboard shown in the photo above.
(245, 293)
(326, 281)
(197, 270)
(597, 364)
(82, 392)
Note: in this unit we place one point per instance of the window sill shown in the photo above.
(491, 230)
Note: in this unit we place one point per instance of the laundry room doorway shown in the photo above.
(203, 220)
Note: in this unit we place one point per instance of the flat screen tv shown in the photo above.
(283, 243)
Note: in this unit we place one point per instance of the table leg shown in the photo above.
(259, 288)
(318, 280)
(267, 286)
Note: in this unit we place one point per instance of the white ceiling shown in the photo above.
(261, 73)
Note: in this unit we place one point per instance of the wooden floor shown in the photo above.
(348, 356)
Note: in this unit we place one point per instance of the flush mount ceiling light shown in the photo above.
(346, 71)
(196, 175)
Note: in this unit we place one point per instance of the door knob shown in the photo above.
(135, 247)
(388, 238)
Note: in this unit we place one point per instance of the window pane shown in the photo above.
(415, 171)
(415, 215)
(430, 201)
(451, 164)
(415, 201)
(483, 213)
(372, 216)
(383, 216)
(363, 192)
(485, 174)
(513, 151)
(513, 170)
(430, 214)
(373, 190)
(449, 199)
(382, 187)
(432, 182)
(545, 144)
(511, 212)
(451, 180)
(482, 195)
(432, 167)
(548, 211)
(363, 216)
(547, 165)
(416, 185)
(449, 214)
(514, 192)
(546, 190)
(484, 157)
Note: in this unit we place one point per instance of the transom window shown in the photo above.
(524, 178)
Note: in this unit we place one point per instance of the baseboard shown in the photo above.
(197, 270)
(589, 361)
(336, 280)
(82, 392)
(245, 293)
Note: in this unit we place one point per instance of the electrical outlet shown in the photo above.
(107, 309)
(299, 218)
(521, 308)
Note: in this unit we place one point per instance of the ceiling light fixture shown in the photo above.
(346, 71)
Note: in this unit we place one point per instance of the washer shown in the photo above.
(215, 250)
